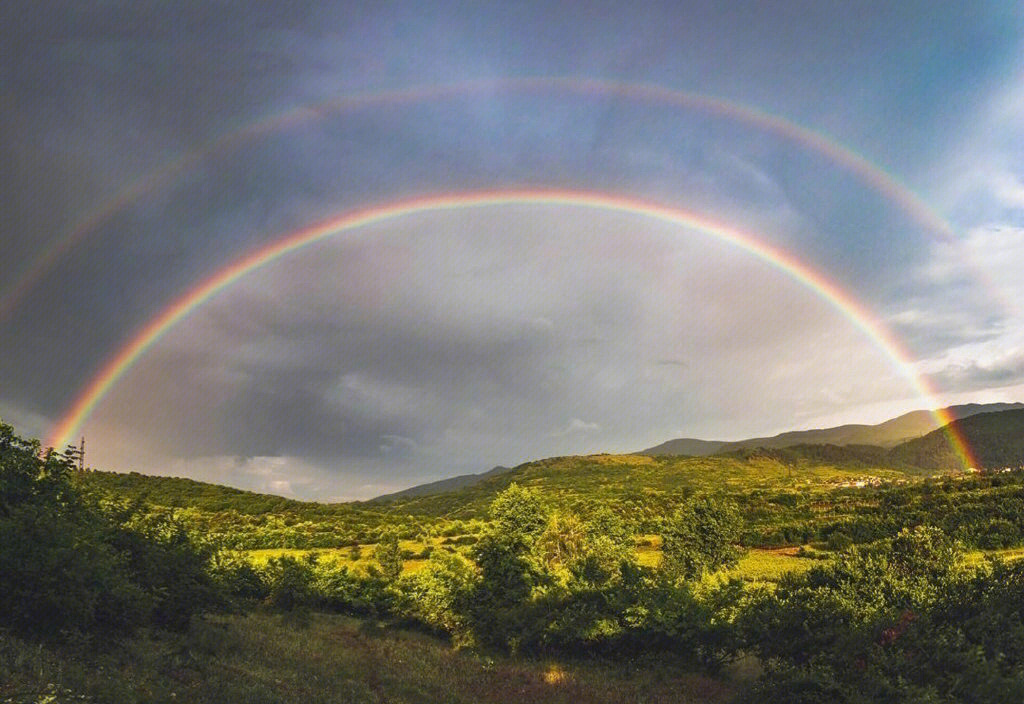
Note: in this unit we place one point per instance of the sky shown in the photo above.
(712, 221)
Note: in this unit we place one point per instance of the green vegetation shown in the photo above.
(995, 440)
(75, 567)
(842, 582)
(906, 620)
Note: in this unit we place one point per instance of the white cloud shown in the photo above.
(1008, 189)
(575, 426)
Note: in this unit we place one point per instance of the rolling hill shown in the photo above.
(178, 492)
(995, 439)
(443, 485)
(887, 434)
(866, 445)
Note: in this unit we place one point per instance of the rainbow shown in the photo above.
(67, 428)
(869, 173)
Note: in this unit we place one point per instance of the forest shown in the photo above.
(804, 575)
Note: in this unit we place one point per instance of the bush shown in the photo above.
(58, 572)
(440, 594)
(389, 556)
(69, 565)
(903, 620)
(289, 583)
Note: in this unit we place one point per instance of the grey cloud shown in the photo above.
(975, 376)
(357, 355)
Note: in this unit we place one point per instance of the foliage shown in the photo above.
(389, 556)
(901, 621)
(70, 565)
(289, 583)
(700, 538)
(441, 594)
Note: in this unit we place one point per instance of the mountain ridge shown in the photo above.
(442, 485)
(997, 435)
(889, 433)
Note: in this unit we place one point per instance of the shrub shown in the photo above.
(289, 582)
(389, 556)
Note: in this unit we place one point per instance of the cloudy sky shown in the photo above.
(145, 147)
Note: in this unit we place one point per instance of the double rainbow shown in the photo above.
(869, 173)
(785, 262)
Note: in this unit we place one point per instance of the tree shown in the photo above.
(518, 514)
(509, 568)
(701, 537)
(389, 556)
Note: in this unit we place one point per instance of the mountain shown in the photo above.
(442, 485)
(644, 485)
(887, 434)
(996, 440)
(686, 446)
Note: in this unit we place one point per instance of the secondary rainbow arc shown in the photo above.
(101, 383)
(880, 180)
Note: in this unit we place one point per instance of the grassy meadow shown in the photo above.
(266, 658)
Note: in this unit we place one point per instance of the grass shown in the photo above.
(263, 658)
(759, 566)
(975, 557)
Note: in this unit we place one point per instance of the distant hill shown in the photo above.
(443, 485)
(887, 434)
(587, 480)
(177, 492)
(995, 439)
(581, 481)
(686, 446)
(869, 443)
(847, 456)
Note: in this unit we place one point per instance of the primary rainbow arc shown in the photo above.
(67, 428)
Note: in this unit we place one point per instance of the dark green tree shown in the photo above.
(701, 537)
(388, 555)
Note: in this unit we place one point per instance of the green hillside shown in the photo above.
(443, 485)
(641, 480)
(789, 496)
(995, 439)
(178, 492)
